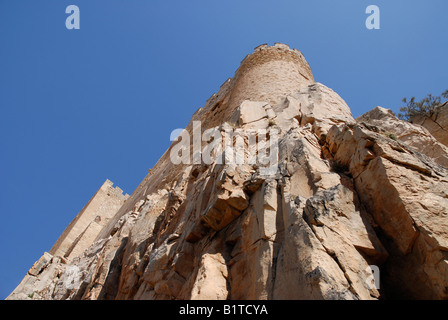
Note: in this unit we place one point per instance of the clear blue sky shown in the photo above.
(80, 106)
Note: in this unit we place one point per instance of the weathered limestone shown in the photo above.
(437, 124)
(345, 195)
(412, 134)
(211, 281)
(406, 193)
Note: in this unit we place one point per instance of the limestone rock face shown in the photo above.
(340, 201)
(437, 124)
(406, 195)
(413, 135)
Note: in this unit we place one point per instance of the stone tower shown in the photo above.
(85, 227)
(270, 73)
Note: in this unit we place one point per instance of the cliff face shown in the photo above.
(437, 124)
(328, 203)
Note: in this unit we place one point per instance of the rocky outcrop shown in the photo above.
(406, 195)
(313, 210)
(437, 123)
(413, 135)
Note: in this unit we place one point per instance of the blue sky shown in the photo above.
(78, 107)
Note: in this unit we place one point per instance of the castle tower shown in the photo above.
(84, 228)
(269, 73)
